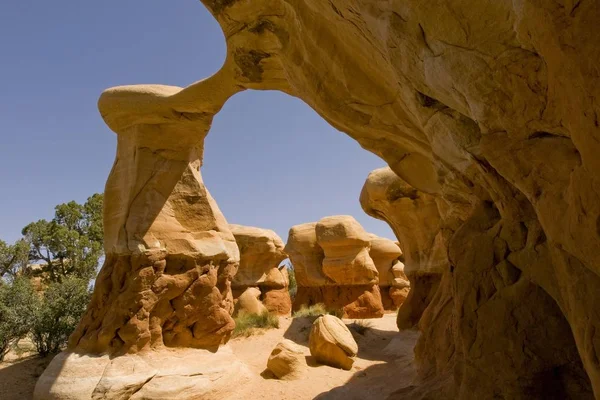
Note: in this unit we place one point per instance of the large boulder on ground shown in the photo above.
(331, 342)
(287, 361)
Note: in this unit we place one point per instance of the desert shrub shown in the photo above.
(18, 301)
(360, 326)
(316, 310)
(246, 323)
(58, 313)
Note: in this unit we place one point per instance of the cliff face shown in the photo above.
(492, 108)
(489, 106)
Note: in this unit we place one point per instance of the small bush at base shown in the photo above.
(246, 324)
(17, 304)
(58, 314)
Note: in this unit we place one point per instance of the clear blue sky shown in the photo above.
(270, 160)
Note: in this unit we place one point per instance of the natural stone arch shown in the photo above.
(489, 106)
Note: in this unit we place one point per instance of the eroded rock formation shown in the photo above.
(261, 252)
(333, 266)
(287, 361)
(393, 283)
(490, 106)
(414, 217)
(331, 342)
(170, 255)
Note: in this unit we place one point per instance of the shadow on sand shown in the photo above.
(18, 378)
(393, 350)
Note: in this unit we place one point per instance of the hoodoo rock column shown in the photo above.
(333, 266)
(414, 217)
(393, 283)
(261, 252)
(170, 259)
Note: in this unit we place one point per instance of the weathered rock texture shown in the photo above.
(333, 266)
(164, 374)
(414, 217)
(490, 106)
(287, 361)
(261, 252)
(170, 255)
(393, 283)
(331, 342)
(249, 302)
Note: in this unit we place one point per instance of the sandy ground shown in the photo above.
(384, 365)
(19, 372)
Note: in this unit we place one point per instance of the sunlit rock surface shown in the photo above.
(261, 252)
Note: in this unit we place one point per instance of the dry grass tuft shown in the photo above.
(247, 324)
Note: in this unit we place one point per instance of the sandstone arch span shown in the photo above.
(489, 106)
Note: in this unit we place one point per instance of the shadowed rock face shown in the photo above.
(414, 217)
(490, 106)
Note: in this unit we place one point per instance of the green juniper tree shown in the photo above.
(59, 310)
(70, 245)
(18, 303)
(13, 258)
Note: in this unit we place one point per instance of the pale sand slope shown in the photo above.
(384, 365)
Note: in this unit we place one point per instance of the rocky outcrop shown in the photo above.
(393, 283)
(287, 361)
(491, 107)
(414, 217)
(333, 266)
(164, 374)
(331, 342)
(306, 255)
(169, 253)
(346, 248)
(261, 252)
(249, 302)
